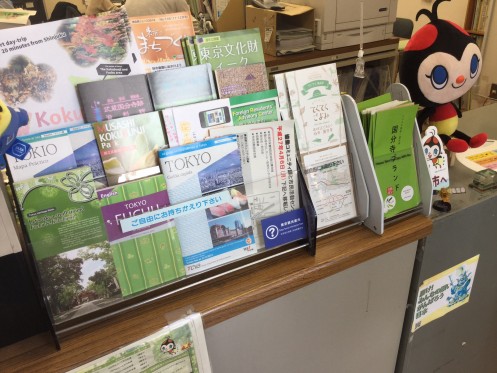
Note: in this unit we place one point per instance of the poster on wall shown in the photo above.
(444, 292)
(41, 64)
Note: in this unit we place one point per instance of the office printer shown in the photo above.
(337, 22)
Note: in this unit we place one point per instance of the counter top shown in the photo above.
(216, 299)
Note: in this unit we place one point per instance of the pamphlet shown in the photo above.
(178, 348)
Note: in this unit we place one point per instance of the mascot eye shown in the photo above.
(435, 151)
(439, 77)
(475, 64)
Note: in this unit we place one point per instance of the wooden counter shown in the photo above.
(217, 299)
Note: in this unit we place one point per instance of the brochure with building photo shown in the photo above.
(178, 347)
(224, 232)
(269, 168)
(41, 65)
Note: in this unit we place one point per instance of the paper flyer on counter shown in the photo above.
(178, 348)
(444, 292)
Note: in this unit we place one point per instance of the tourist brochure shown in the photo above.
(41, 65)
(178, 347)
(158, 39)
(329, 180)
(191, 123)
(50, 152)
(62, 217)
(317, 108)
(86, 152)
(390, 131)
(128, 146)
(241, 80)
(230, 48)
(223, 233)
(269, 168)
(146, 257)
(182, 86)
(115, 98)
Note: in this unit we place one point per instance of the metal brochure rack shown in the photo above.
(374, 218)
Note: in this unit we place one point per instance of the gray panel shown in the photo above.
(349, 322)
(465, 340)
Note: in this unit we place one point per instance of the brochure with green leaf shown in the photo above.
(61, 211)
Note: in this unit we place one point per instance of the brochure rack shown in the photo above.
(65, 324)
(375, 218)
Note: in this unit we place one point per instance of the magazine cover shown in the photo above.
(128, 146)
(269, 168)
(50, 152)
(223, 233)
(146, 257)
(182, 86)
(62, 216)
(179, 347)
(115, 98)
(41, 65)
(158, 39)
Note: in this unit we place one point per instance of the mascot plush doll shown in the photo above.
(440, 63)
(10, 122)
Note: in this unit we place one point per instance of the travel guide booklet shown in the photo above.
(317, 107)
(190, 123)
(86, 152)
(115, 98)
(224, 232)
(182, 86)
(269, 168)
(61, 213)
(329, 180)
(389, 127)
(178, 347)
(241, 80)
(50, 152)
(41, 65)
(230, 48)
(147, 257)
(128, 146)
(158, 39)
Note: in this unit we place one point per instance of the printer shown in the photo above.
(337, 22)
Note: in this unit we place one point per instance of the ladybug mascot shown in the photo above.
(440, 63)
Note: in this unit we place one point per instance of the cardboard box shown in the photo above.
(232, 18)
(268, 22)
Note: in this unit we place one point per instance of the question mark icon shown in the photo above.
(272, 232)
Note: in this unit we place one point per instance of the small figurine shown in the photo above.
(10, 122)
(205, 24)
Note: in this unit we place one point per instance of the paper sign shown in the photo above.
(444, 292)
(285, 228)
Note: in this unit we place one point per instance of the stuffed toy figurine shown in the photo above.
(440, 63)
(10, 122)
